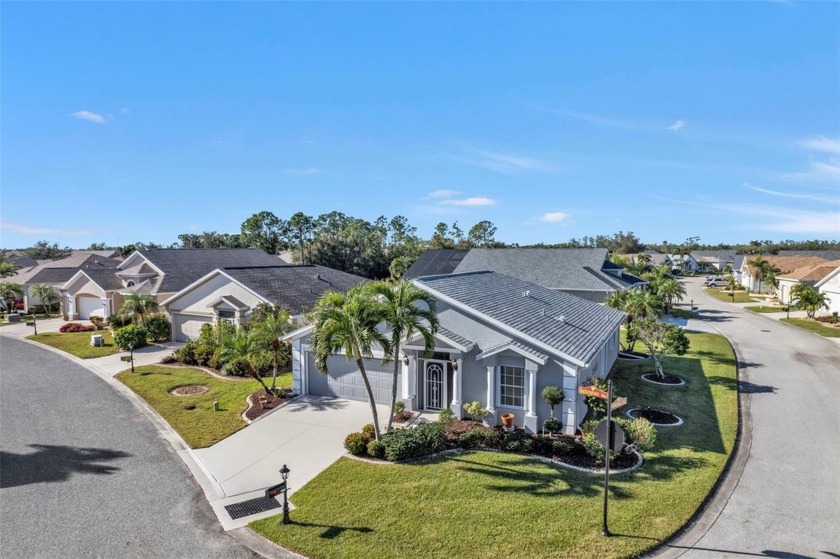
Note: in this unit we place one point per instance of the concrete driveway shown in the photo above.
(307, 434)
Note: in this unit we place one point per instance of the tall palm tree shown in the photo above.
(670, 290)
(10, 293)
(642, 304)
(46, 295)
(655, 278)
(139, 305)
(268, 330)
(348, 324)
(405, 316)
(240, 348)
(759, 268)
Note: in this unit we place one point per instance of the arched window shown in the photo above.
(129, 283)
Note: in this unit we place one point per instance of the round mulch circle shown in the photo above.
(669, 380)
(661, 418)
(190, 390)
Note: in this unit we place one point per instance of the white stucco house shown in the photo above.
(808, 275)
(501, 341)
(830, 285)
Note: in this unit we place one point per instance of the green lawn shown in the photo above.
(815, 327)
(193, 416)
(481, 504)
(78, 343)
(766, 309)
(724, 295)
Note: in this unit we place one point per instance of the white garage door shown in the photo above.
(186, 327)
(88, 305)
(345, 381)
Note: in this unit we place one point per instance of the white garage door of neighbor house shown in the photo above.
(187, 327)
(345, 380)
(88, 305)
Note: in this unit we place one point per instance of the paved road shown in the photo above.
(787, 502)
(84, 474)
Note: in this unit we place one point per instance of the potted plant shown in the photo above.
(507, 421)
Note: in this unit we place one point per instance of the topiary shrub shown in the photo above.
(553, 425)
(404, 444)
(130, 336)
(355, 443)
(159, 327)
(376, 449)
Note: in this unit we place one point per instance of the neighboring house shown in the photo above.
(683, 263)
(233, 293)
(809, 275)
(751, 278)
(501, 341)
(830, 286)
(157, 272)
(737, 265)
(657, 259)
(584, 272)
(30, 274)
(824, 254)
(717, 259)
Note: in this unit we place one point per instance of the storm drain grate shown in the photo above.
(251, 506)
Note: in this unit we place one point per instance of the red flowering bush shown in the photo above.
(75, 327)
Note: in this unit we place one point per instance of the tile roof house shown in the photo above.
(501, 341)
(232, 293)
(158, 272)
(751, 278)
(808, 275)
(830, 287)
(587, 273)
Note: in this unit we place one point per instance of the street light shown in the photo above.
(284, 473)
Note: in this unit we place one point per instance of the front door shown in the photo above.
(435, 385)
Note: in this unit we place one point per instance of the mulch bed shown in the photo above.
(403, 417)
(667, 379)
(190, 390)
(580, 458)
(659, 417)
(459, 426)
(257, 409)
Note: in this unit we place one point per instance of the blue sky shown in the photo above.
(126, 122)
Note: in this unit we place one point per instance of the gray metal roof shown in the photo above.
(296, 288)
(569, 325)
(452, 336)
(184, 266)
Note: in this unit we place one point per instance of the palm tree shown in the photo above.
(670, 290)
(268, 330)
(655, 278)
(7, 267)
(348, 324)
(46, 295)
(642, 304)
(405, 315)
(731, 284)
(139, 305)
(807, 297)
(10, 293)
(759, 267)
(239, 349)
(643, 259)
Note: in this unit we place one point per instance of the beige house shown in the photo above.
(751, 277)
(808, 275)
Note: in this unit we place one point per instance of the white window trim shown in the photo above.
(499, 403)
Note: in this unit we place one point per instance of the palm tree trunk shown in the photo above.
(274, 374)
(256, 375)
(394, 386)
(371, 401)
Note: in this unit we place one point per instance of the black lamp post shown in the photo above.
(284, 473)
(131, 352)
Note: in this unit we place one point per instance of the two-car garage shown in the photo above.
(345, 381)
(186, 327)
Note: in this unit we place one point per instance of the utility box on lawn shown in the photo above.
(96, 340)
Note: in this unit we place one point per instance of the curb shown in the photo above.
(684, 539)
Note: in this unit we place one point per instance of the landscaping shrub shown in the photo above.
(476, 410)
(204, 353)
(116, 321)
(75, 327)
(403, 444)
(159, 327)
(130, 336)
(446, 416)
(369, 431)
(562, 447)
(541, 445)
(186, 353)
(479, 438)
(376, 449)
(355, 443)
(597, 406)
(518, 441)
(97, 322)
(553, 425)
(593, 447)
(167, 359)
(639, 433)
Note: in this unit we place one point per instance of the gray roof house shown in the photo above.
(55, 273)
(585, 272)
(501, 341)
(715, 258)
(232, 294)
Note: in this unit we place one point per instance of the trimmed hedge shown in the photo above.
(416, 442)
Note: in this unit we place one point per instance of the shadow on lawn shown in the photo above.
(333, 532)
(745, 386)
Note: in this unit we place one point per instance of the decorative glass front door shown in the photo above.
(435, 386)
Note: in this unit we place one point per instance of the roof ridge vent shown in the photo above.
(560, 318)
(527, 293)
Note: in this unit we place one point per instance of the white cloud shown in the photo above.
(22, 229)
(90, 117)
(827, 199)
(125, 111)
(508, 163)
(472, 201)
(827, 145)
(303, 171)
(443, 193)
(787, 220)
(677, 126)
(818, 171)
(553, 217)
